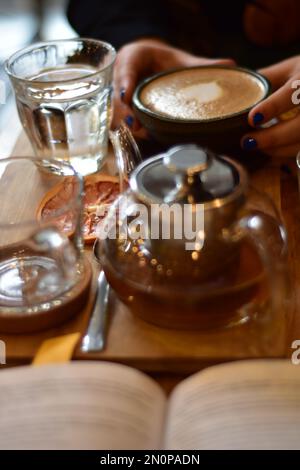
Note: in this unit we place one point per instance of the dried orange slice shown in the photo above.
(100, 191)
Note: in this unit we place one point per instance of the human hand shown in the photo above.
(140, 59)
(283, 138)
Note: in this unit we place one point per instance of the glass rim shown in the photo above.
(75, 199)
(38, 45)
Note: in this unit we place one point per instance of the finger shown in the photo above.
(285, 133)
(119, 114)
(131, 65)
(284, 152)
(227, 61)
(140, 133)
(277, 74)
(125, 80)
(126, 75)
(272, 107)
(122, 112)
(190, 61)
(171, 58)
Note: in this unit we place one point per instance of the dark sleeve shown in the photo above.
(120, 21)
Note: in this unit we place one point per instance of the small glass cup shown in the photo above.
(40, 235)
(63, 93)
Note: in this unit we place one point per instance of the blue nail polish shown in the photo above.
(122, 93)
(249, 144)
(258, 119)
(129, 120)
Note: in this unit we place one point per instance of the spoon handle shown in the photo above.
(94, 339)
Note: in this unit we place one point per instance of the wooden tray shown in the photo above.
(133, 342)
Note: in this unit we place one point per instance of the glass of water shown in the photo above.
(41, 259)
(63, 93)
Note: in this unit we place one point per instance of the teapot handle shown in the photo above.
(265, 231)
(269, 237)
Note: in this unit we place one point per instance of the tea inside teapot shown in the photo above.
(183, 254)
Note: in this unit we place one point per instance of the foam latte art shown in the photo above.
(202, 93)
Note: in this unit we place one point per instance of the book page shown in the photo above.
(242, 405)
(80, 406)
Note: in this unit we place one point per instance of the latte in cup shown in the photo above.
(200, 94)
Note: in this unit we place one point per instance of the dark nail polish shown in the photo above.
(258, 119)
(249, 144)
(122, 94)
(129, 120)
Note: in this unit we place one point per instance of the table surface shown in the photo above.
(165, 353)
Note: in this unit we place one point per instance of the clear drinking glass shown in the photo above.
(63, 93)
(40, 235)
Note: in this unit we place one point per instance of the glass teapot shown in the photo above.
(189, 246)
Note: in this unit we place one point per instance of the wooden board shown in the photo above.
(133, 342)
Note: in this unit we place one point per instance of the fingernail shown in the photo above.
(258, 119)
(129, 121)
(249, 144)
(122, 93)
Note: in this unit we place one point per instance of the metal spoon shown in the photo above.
(128, 156)
(95, 337)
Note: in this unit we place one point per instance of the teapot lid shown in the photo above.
(187, 174)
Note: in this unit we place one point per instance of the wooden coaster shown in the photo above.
(69, 304)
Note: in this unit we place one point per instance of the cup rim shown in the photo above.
(142, 108)
(75, 200)
(41, 44)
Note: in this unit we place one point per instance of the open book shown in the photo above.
(242, 405)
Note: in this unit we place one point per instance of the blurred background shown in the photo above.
(22, 22)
